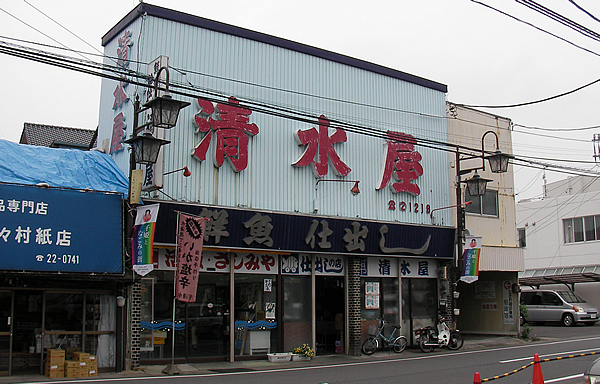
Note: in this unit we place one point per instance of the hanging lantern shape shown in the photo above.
(165, 110)
(355, 191)
(499, 161)
(146, 148)
(477, 185)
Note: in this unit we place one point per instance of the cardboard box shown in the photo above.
(55, 360)
(54, 374)
(55, 352)
(72, 373)
(54, 367)
(93, 372)
(72, 364)
(81, 356)
(71, 350)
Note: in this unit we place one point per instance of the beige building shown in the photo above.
(491, 304)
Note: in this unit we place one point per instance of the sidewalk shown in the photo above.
(472, 343)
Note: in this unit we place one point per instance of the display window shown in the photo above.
(255, 314)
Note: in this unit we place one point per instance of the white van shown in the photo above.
(563, 306)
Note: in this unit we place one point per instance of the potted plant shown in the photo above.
(305, 352)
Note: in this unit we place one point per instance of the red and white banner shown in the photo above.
(190, 237)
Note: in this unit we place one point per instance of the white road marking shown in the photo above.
(565, 353)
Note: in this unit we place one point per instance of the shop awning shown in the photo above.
(560, 275)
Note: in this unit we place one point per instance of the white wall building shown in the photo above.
(560, 235)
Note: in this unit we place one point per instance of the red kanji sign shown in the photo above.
(402, 161)
(319, 149)
(231, 129)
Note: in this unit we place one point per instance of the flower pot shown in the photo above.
(296, 357)
(279, 357)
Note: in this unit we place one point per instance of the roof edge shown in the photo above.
(197, 21)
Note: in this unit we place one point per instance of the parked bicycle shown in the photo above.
(377, 339)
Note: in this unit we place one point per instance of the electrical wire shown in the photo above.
(536, 27)
(62, 26)
(558, 129)
(552, 137)
(583, 10)
(535, 101)
(117, 74)
(37, 30)
(184, 73)
(560, 19)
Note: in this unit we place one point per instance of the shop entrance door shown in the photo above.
(26, 332)
(419, 305)
(6, 307)
(330, 309)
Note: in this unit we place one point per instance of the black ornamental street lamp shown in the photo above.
(477, 185)
(164, 113)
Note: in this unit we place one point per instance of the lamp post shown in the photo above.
(477, 185)
(145, 147)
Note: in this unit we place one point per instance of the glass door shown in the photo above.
(26, 332)
(6, 317)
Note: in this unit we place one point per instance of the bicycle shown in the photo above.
(372, 343)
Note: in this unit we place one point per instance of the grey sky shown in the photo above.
(484, 57)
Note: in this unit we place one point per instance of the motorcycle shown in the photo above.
(430, 337)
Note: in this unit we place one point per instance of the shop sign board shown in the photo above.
(210, 261)
(392, 266)
(59, 230)
(270, 231)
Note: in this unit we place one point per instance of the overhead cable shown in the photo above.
(532, 102)
(536, 27)
(584, 11)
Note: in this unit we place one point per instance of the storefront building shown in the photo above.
(276, 138)
(61, 259)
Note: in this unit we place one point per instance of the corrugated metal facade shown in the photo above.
(275, 76)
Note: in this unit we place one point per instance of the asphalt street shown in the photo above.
(489, 355)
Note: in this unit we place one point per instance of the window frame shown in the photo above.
(581, 229)
(478, 207)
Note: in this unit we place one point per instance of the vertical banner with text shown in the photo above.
(470, 272)
(143, 238)
(190, 237)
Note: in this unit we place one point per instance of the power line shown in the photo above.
(584, 11)
(558, 129)
(37, 30)
(185, 72)
(536, 27)
(117, 74)
(533, 102)
(63, 27)
(553, 137)
(560, 19)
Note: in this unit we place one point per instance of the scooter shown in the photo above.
(430, 338)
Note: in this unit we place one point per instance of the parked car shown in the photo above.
(592, 374)
(563, 306)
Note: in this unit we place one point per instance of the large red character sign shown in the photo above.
(319, 149)
(402, 162)
(231, 128)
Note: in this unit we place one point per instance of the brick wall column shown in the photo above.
(354, 316)
(135, 331)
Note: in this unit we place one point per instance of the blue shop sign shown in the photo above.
(60, 230)
(254, 230)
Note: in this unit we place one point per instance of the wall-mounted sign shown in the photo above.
(56, 230)
(246, 229)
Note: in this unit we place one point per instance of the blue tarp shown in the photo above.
(65, 168)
